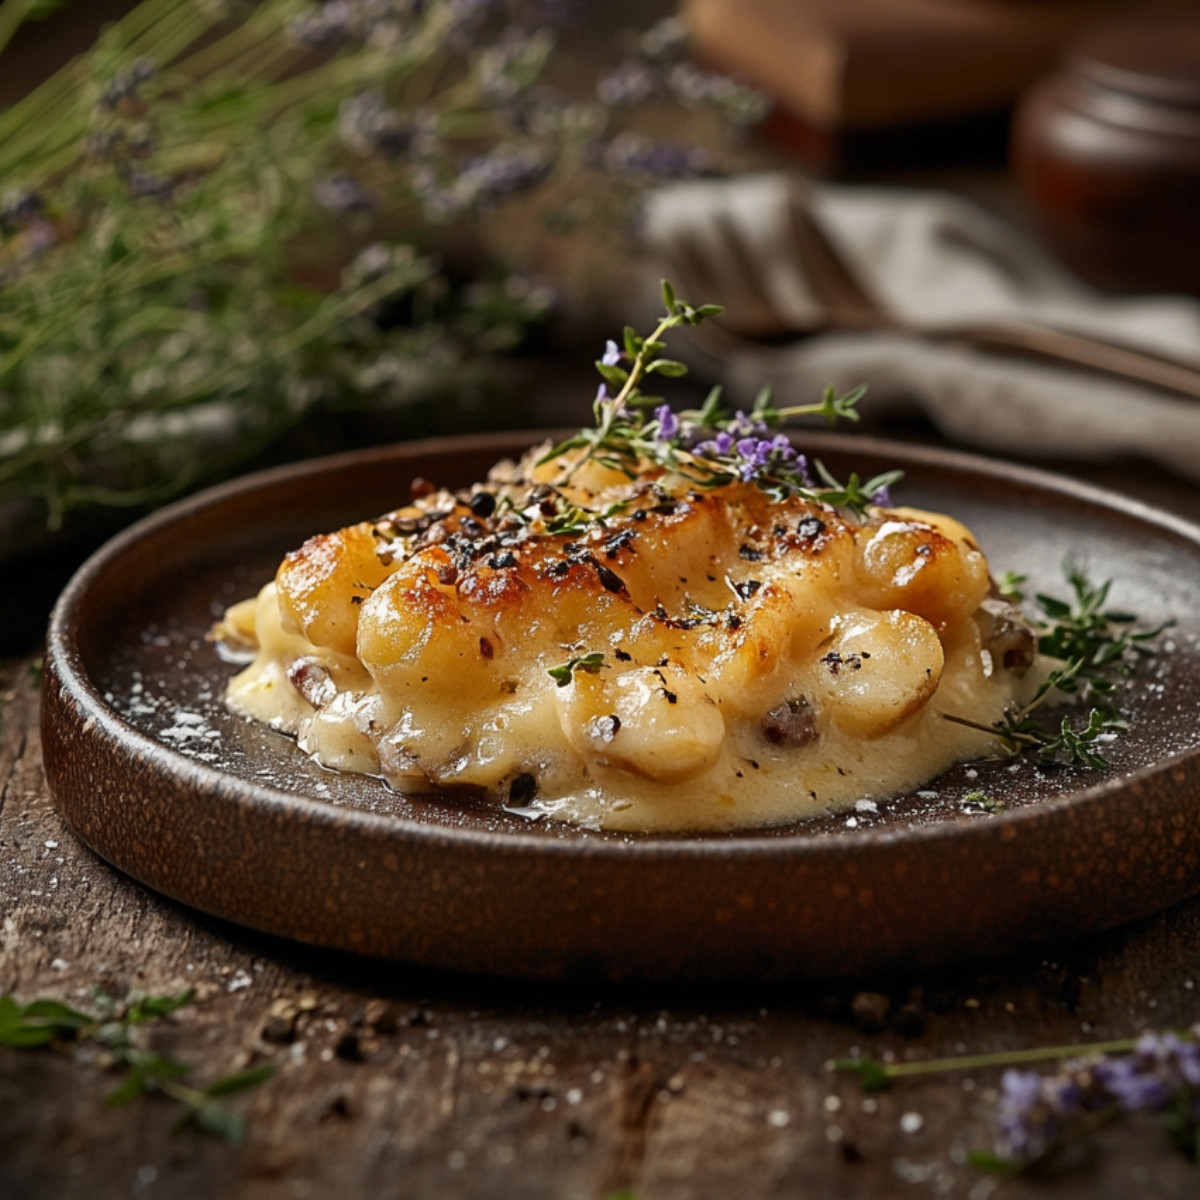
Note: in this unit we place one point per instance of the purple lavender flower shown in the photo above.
(753, 454)
(1151, 1076)
(1033, 1111)
(762, 456)
(1179, 1056)
(612, 353)
(742, 426)
(716, 447)
(439, 202)
(126, 84)
(337, 23)
(1132, 1083)
(635, 157)
(882, 498)
(20, 206)
(342, 194)
(328, 27)
(367, 126)
(627, 84)
(490, 178)
(668, 424)
(1186, 1052)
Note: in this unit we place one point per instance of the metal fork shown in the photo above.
(724, 271)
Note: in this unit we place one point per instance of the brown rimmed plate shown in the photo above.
(231, 818)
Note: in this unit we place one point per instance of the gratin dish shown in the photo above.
(159, 779)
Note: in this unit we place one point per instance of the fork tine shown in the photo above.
(846, 298)
(692, 272)
(751, 308)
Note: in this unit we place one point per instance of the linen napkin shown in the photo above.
(934, 260)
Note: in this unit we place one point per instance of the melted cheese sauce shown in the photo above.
(739, 661)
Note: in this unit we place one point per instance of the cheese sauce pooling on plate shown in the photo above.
(697, 660)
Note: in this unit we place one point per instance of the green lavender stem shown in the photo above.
(977, 1062)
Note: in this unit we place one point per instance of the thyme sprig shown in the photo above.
(1092, 643)
(1065, 745)
(617, 438)
(50, 1023)
(1081, 630)
(709, 446)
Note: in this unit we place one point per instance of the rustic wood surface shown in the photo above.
(395, 1083)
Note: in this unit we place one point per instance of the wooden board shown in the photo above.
(842, 65)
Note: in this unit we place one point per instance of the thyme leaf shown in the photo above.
(1010, 584)
(980, 801)
(591, 663)
(1080, 629)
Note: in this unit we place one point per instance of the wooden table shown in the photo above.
(391, 1082)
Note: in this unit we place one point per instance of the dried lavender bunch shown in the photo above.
(206, 215)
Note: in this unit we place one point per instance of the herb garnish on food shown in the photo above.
(1092, 644)
(711, 448)
(708, 446)
(590, 663)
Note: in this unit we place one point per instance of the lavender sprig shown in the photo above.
(707, 446)
(1039, 1114)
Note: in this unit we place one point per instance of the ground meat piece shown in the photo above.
(311, 678)
(791, 724)
(1007, 635)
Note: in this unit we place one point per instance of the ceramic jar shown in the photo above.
(1107, 151)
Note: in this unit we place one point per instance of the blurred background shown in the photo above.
(233, 235)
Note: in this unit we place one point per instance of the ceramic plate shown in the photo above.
(231, 818)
